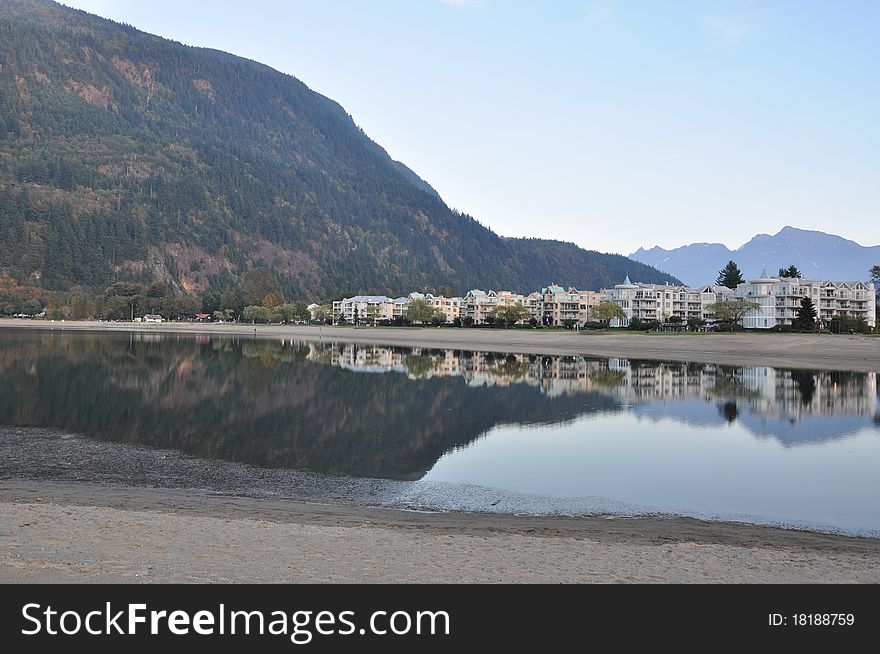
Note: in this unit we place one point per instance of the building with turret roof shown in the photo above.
(779, 299)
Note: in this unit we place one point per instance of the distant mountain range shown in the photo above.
(816, 254)
(128, 157)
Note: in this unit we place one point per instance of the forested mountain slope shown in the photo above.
(128, 157)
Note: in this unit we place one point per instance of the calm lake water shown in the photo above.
(464, 429)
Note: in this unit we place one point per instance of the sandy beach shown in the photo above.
(86, 533)
(815, 351)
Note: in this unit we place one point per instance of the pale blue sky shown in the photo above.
(612, 124)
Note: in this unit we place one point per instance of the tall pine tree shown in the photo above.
(806, 317)
(730, 276)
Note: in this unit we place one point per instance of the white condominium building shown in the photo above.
(478, 305)
(659, 302)
(561, 307)
(780, 299)
(399, 307)
(369, 309)
(450, 307)
(553, 306)
(364, 309)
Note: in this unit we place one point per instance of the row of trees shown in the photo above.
(807, 319)
(257, 297)
(422, 312)
(730, 312)
(505, 315)
(119, 301)
(286, 313)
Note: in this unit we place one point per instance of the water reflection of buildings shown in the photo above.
(765, 391)
(792, 394)
(768, 392)
(553, 375)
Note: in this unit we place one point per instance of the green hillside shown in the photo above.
(125, 157)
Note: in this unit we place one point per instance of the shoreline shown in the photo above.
(38, 455)
(76, 532)
(807, 351)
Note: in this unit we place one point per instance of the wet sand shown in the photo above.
(65, 532)
(815, 351)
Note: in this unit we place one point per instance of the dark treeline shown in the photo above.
(256, 289)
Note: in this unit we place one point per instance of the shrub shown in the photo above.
(594, 325)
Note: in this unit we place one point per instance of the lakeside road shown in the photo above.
(816, 351)
(78, 533)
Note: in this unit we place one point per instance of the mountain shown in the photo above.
(816, 254)
(128, 157)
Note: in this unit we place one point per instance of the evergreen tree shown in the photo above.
(730, 276)
(729, 411)
(806, 317)
(791, 272)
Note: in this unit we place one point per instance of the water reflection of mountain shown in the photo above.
(324, 408)
(261, 402)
